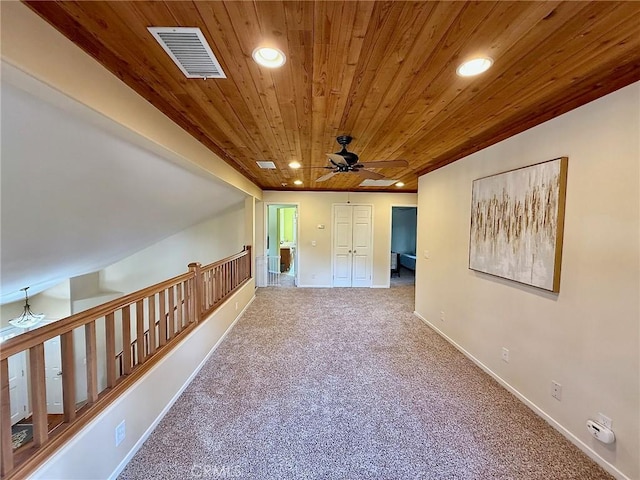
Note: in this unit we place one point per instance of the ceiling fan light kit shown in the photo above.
(345, 162)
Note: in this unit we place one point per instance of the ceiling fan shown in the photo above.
(345, 161)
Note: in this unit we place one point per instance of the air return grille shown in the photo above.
(190, 51)
(383, 182)
(266, 164)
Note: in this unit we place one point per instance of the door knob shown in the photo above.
(59, 373)
(349, 251)
(354, 251)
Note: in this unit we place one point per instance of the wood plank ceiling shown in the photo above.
(382, 72)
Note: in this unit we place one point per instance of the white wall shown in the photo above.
(315, 208)
(205, 242)
(587, 336)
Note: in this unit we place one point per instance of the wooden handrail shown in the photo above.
(227, 260)
(217, 279)
(183, 301)
(47, 332)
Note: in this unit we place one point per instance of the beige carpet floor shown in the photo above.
(349, 384)
(404, 277)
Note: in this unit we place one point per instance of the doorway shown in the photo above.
(17, 371)
(18, 386)
(352, 245)
(404, 227)
(281, 245)
(53, 375)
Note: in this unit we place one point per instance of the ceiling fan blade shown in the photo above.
(387, 164)
(368, 174)
(337, 159)
(326, 177)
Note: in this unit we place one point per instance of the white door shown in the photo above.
(53, 375)
(342, 241)
(18, 386)
(361, 270)
(352, 246)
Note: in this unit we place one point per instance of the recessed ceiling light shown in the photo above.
(297, 182)
(400, 184)
(295, 165)
(474, 67)
(269, 57)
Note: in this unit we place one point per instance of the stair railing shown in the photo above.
(151, 322)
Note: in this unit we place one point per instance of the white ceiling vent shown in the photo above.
(190, 51)
(266, 164)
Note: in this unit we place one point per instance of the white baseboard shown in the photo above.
(315, 286)
(174, 399)
(388, 285)
(566, 433)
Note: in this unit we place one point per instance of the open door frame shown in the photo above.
(394, 205)
(296, 257)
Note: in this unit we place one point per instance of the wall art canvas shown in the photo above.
(517, 220)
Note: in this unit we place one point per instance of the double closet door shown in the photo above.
(352, 245)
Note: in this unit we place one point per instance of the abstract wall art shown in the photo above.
(517, 220)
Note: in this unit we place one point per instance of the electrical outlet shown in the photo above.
(556, 390)
(236, 306)
(120, 433)
(442, 315)
(505, 355)
(427, 255)
(604, 420)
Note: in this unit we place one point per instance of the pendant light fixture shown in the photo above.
(28, 318)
